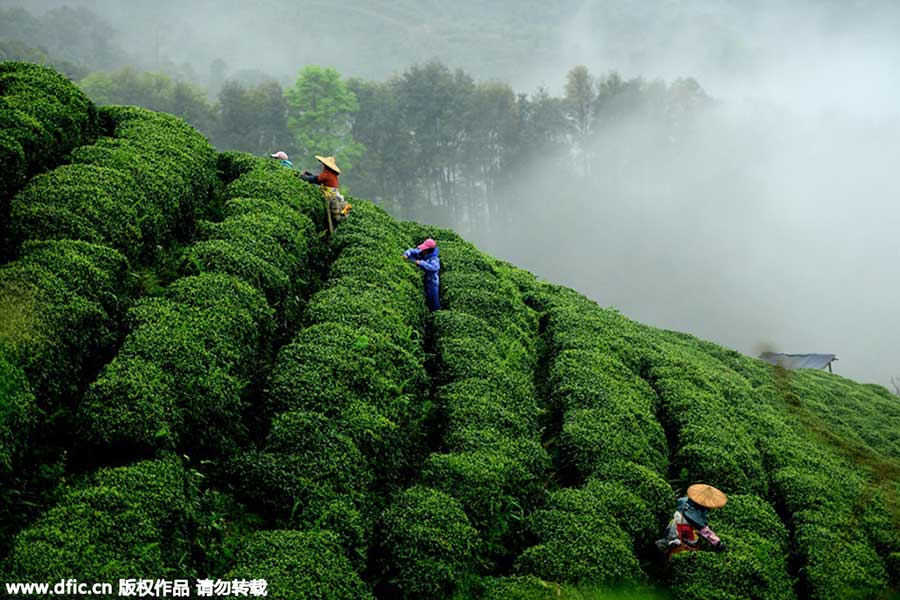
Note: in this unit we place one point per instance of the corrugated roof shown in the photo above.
(798, 361)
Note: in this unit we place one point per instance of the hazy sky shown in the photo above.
(774, 224)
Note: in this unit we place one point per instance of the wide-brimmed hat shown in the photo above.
(707, 496)
(427, 244)
(280, 154)
(328, 161)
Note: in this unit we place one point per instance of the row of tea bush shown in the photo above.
(181, 376)
(698, 401)
(800, 441)
(179, 382)
(465, 516)
(78, 226)
(841, 494)
(43, 117)
(118, 523)
(611, 453)
(347, 397)
(133, 190)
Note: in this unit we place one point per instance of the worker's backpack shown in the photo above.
(337, 206)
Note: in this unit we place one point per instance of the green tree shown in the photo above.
(382, 172)
(238, 118)
(253, 119)
(580, 99)
(321, 109)
(435, 104)
(155, 91)
(272, 108)
(490, 138)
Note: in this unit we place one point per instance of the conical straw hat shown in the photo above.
(328, 161)
(707, 495)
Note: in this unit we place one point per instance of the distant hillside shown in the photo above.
(197, 381)
(373, 40)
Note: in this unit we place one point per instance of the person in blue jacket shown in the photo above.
(426, 257)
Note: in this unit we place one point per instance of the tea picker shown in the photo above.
(328, 179)
(690, 523)
(426, 257)
(282, 157)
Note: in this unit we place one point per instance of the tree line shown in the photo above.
(430, 143)
(429, 140)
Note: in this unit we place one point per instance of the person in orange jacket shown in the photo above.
(338, 208)
(329, 175)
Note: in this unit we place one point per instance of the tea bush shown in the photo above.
(485, 360)
(299, 565)
(357, 371)
(13, 165)
(186, 152)
(494, 300)
(355, 376)
(31, 144)
(308, 474)
(842, 537)
(494, 477)
(60, 304)
(231, 165)
(80, 202)
(626, 507)
(591, 436)
(480, 404)
(608, 412)
(270, 180)
(358, 304)
(43, 117)
(181, 372)
(580, 542)
(373, 229)
(645, 483)
(265, 243)
(428, 542)
(468, 347)
(125, 522)
(162, 180)
(18, 412)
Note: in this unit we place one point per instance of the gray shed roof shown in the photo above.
(798, 361)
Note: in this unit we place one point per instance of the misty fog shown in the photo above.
(773, 222)
(779, 227)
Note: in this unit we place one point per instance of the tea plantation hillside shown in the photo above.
(197, 381)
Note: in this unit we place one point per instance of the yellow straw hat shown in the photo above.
(707, 496)
(328, 161)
